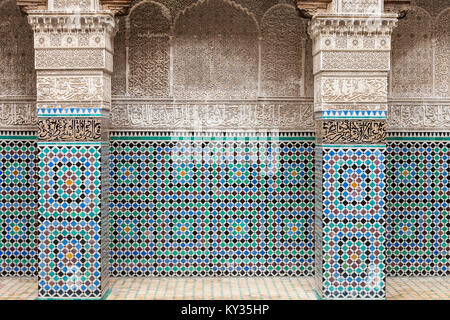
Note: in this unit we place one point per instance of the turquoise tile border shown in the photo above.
(183, 138)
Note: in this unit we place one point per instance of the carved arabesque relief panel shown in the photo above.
(212, 49)
(149, 50)
(215, 52)
(283, 52)
(412, 56)
(442, 55)
(17, 75)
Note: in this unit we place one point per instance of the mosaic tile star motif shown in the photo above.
(70, 216)
(211, 208)
(350, 224)
(418, 201)
(18, 241)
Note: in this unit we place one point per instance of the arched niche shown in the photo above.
(215, 51)
(442, 54)
(283, 52)
(149, 50)
(412, 55)
(17, 73)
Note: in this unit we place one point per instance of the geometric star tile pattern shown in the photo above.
(350, 223)
(211, 208)
(18, 241)
(418, 205)
(70, 248)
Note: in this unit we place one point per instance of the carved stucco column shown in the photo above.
(73, 43)
(351, 56)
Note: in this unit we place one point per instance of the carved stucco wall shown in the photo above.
(210, 50)
(17, 75)
(420, 74)
(146, 59)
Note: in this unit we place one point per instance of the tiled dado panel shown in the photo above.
(350, 222)
(211, 206)
(71, 220)
(418, 205)
(18, 240)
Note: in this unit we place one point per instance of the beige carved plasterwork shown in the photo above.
(434, 7)
(149, 50)
(215, 52)
(72, 4)
(118, 80)
(46, 40)
(354, 42)
(442, 55)
(415, 117)
(412, 56)
(213, 117)
(17, 114)
(71, 88)
(283, 51)
(73, 59)
(355, 61)
(17, 75)
(354, 90)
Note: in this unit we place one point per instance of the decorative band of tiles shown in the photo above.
(212, 136)
(18, 135)
(351, 114)
(418, 136)
(72, 112)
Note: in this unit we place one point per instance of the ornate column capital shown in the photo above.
(337, 24)
(46, 21)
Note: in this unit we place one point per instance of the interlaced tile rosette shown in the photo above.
(18, 242)
(418, 201)
(70, 221)
(352, 223)
(209, 208)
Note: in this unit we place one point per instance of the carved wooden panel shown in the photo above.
(442, 55)
(412, 55)
(17, 75)
(215, 52)
(283, 39)
(149, 50)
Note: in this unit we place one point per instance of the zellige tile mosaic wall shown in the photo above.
(212, 206)
(149, 228)
(418, 205)
(70, 221)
